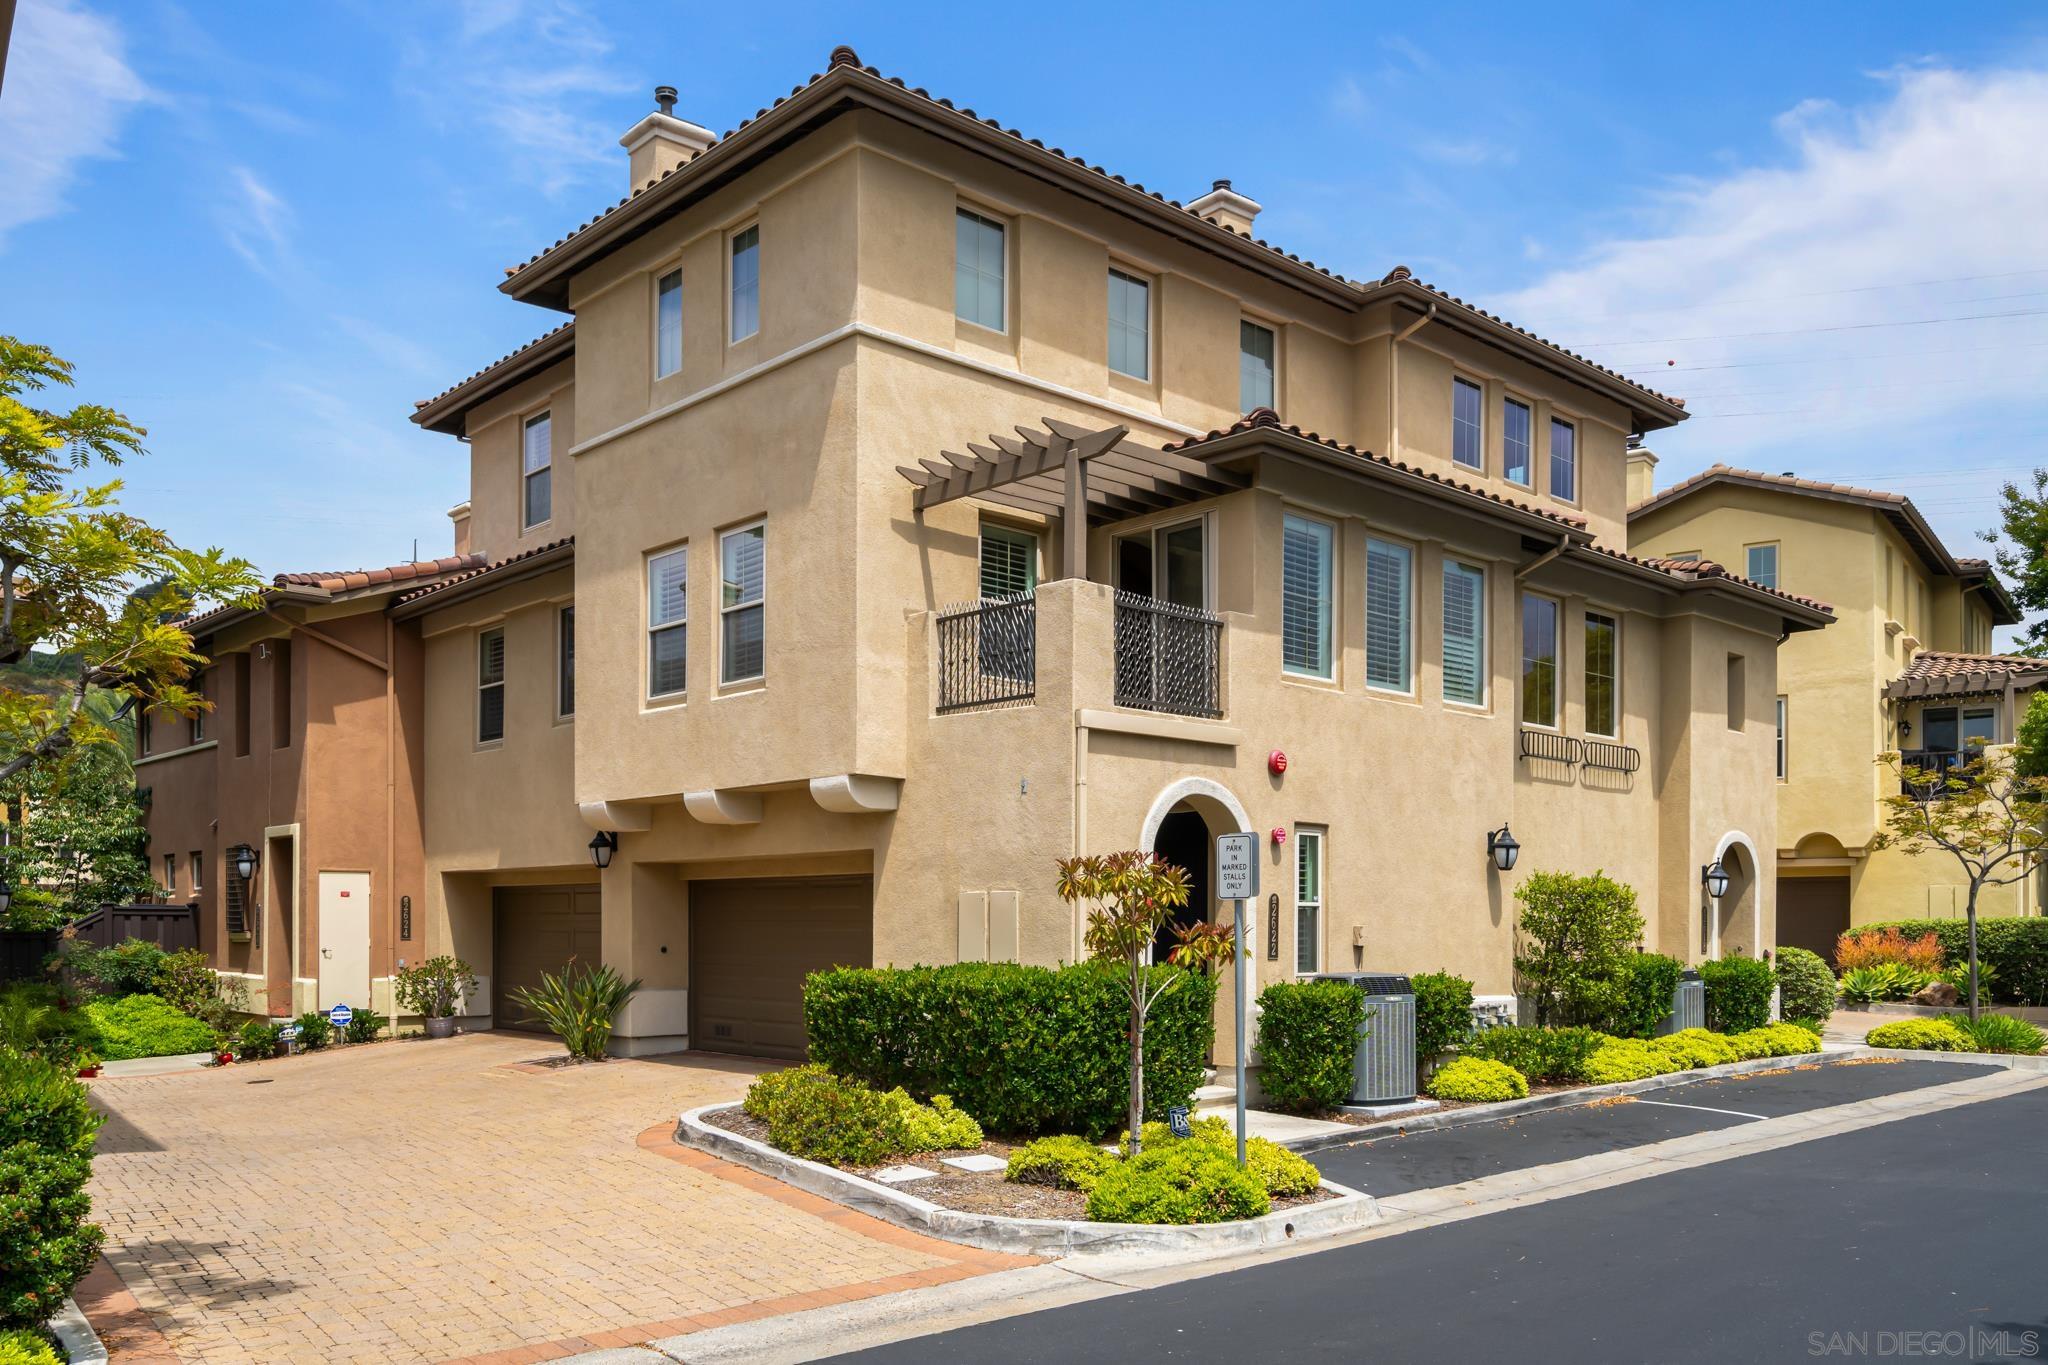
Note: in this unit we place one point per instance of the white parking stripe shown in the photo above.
(1703, 1108)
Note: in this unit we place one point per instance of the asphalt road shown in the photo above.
(1928, 1225)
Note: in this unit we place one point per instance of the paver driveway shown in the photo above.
(418, 1201)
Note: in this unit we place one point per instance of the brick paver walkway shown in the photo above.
(420, 1201)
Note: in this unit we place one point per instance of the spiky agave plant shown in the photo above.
(578, 1006)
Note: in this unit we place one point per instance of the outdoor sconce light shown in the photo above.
(244, 860)
(1502, 847)
(1905, 727)
(6, 897)
(1715, 878)
(603, 844)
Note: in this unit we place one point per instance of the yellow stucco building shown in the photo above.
(1907, 668)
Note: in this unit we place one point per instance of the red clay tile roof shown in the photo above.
(565, 334)
(1707, 570)
(1941, 664)
(481, 569)
(1265, 419)
(1721, 473)
(347, 580)
(845, 67)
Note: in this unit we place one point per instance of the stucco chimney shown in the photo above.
(459, 514)
(1227, 208)
(661, 142)
(1642, 473)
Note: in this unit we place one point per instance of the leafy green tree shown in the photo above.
(1573, 943)
(78, 833)
(2030, 742)
(81, 578)
(2020, 547)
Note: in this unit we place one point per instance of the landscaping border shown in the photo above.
(1051, 1237)
(74, 1332)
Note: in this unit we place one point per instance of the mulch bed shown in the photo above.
(972, 1191)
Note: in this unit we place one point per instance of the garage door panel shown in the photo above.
(538, 930)
(752, 943)
(1812, 913)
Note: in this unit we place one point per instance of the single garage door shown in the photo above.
(538, 929)
(1812, 913)
(752, 943)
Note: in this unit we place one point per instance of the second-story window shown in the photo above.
(978, 295)
(1539, 660)
(1467, 446)
(1389, 605)
(1763, 565)
(1306, 546)
(1256, 353)
(1130, 325)
(668, 622)
(1464, 633)
(537, 466)
(668, 324)
(1564, 460)
(565, 662)
(1516, 433)
(742, 590)
(746, 283)
(1009, 562)
(1603, 675)
(490, 686)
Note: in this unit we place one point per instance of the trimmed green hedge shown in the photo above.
(46, 1138)
(1921, 1035)
(2016, 948)
(147, 1026)
(1806, 988)
(1648, 982)
(1308, 1036)
(1738, 993)
(818, 1116)
(1443, 1015)
(1541, 1054)
(1025, 1050)
(1478, 1079)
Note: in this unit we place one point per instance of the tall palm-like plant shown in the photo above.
(578, 1006)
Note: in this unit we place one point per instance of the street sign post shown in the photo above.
(1237, 879)
(340, 1015)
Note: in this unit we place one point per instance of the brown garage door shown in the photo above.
(753, 942)
(538, 929)
(1812, 913)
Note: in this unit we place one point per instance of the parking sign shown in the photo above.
(1237, 867)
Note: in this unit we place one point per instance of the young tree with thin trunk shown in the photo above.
(84, 579)
(1129, 897)
(1984, 812)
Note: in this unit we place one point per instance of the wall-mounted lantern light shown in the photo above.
(602, 845)
(244, 860)
(1905, 727)
(6, 897)
(1715, 878)
(1502, 847)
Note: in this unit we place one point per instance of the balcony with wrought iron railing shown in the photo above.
(1168, 657)
(988, 653)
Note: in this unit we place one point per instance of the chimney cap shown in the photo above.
(665, 99)
(1219, 185)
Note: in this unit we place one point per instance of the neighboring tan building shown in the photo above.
(909, 505)
(1908, 668)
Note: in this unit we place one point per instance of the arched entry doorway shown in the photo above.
(1738, 915)
(1182, 827)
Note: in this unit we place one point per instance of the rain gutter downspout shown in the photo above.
(1563, 544)
(1394, 379)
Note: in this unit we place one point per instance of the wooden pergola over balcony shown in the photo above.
(1075, 476)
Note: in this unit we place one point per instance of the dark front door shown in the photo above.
(1812, 913)
(1183, 840)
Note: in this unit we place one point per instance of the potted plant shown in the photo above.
(432, 989)
(88, 1065)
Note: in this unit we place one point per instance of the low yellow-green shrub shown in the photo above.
(1066, 1162)
(1478, 1080)
(1779, 1040)
(1694, 1048)
(814, 1114)
(22, 1347)
(1177, 1182)
(1921, 1035)
(1280, 1171)
(1628, 1059)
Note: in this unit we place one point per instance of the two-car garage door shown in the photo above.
(752, 943)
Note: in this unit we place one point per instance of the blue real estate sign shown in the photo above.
(340, 1015)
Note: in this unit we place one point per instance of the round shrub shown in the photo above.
(1180, 1182)
(46, 1137)
(1279, 1171)
(147, 1026)
(1478, 1080)
(1806, 988)
(1920, 1035)
(1738, 993)
(1781, 1040)
(1443, 1015)
(1308, 1034)
(1648, 983)
(1628, 1059)
(818, 1116)
(1694, 1048)
(1065, 1162)
(1541, 1054)
(2000, 1033)
(23, 1347)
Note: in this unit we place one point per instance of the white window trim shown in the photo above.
(1556, 722)
(760, 523)
(731, 282)
(1274, 330)
(526, 475)
(1610, 614)
(682, 622)
(1332, 611)
(1151, 283)
(1461, 377)
(1484, 663)
(1302, 834)
(1777, 549)
(1365, 610)
(1003, 221)
(661, 273)
(476, 729)
(1527, 405)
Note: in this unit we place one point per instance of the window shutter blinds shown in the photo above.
(1305, 597)
(1464, 634)
(1386, 614)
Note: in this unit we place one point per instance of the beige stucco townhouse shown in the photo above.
(907, 504)
(1909, 668)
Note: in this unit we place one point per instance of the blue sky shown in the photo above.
(265, 230)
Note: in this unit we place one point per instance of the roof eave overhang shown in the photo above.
(486, 580)
(448, 413)
(1796, 616)
(1981, 684)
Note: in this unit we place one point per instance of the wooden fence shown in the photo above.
(170, 927)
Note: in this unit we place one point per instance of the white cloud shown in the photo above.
(69, 87)
(1802, 306)
(256, 223)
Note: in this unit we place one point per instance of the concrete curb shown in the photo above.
(1570, 1099)
(82, 1345)
(1052, 1237)
(155, 1066)
(2010, 1061)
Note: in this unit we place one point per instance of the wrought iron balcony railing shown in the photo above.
(988, 653)
(1168, 657)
